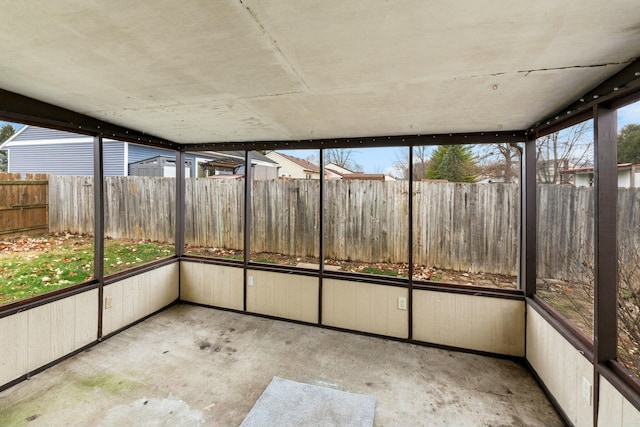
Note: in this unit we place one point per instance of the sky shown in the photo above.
(382, 160)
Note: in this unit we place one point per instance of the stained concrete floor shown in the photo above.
(192, 366)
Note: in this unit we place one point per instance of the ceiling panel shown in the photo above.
(203, 71)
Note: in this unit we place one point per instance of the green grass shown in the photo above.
(380, 271)
(69, 262)
(264, 260)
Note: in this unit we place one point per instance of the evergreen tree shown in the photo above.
(5, 133)
(629, 144)
(455, 163)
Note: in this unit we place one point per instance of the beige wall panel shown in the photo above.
(43, 334)
(630, 415)
(63, 322)
(478, 323)
(135, 297)
(615, 410)
(561, 367)
(216, 285)
(364, 307)
(163, 285)
(112, 307)
(289, 296)
(14, 345)
(610, 410)
(86, 318)
(192, 281)
(39, 333)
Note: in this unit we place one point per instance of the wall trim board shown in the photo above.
(42, 368)
(136, 271)
(47, 298)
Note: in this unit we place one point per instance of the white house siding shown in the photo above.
(75, 158)
(624, 178)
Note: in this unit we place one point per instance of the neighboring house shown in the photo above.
(40, 150)
(628, 176)
(294, 167)
(232, 163)
(338, 170)
(368, 177)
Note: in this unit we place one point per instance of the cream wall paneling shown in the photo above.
(209, 284)
(365, 307)
(472, 322)
(615, 410)
(289, 296)
(33, 338)
(135, 297)
(566, 373)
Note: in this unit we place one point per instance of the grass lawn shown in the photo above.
(34, 266)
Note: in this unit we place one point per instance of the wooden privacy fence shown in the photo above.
(136, 208)
(23, 204)
(466, 227)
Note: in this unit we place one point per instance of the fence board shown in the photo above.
(23, 204)
(465, 227)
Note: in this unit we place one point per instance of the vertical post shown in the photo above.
(321, 231)
(180, 197)
(248, 178)
(528, 218)
(605, 239)
(410, 243)
(98, 224)
(605, 328)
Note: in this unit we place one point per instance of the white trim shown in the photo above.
(196, 167)
(57, 141)
(126, 159)
(2, 146)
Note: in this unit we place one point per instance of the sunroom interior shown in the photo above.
(259, 76)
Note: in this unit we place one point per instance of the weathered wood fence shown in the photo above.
(23, 204)
(466, 227)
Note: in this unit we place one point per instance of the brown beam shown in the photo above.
(98, 223)
(605, 328)
(366, 142)
(180, 196)
(528, 218)
(620, 89)
(22, 109)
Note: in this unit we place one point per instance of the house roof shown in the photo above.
(364, 176)
(305, 164)
(288, 70)
(621, 166)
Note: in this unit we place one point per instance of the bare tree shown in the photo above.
(568, 148)
(500, 161)
(421, 156)
(342, 157)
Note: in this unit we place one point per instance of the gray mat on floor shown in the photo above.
(290, 403)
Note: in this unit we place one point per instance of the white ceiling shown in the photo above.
(250, 70)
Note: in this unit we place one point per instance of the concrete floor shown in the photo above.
(197, 366)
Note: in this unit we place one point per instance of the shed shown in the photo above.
(158, 166)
